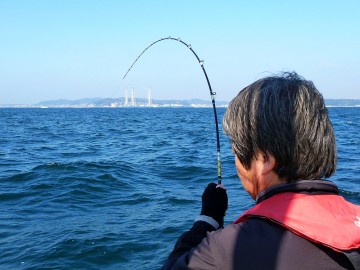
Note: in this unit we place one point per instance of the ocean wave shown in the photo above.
(114, 189)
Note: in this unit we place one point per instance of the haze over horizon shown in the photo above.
(81, 49)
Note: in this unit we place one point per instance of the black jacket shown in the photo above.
(255, 244)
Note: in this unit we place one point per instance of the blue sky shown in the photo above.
(74, 49)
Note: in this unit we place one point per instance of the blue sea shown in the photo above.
(113, 188)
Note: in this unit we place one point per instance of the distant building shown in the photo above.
(126, 98)
(149, 97)
(133, 97)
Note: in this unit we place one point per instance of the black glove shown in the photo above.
(214, 203)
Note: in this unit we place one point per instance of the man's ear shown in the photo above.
(268, 162)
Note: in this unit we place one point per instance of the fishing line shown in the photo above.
(212, 94)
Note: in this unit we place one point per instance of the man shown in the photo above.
(284, 148)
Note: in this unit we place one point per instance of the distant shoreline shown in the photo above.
(107, 107)
(136, 107)
(144, 103)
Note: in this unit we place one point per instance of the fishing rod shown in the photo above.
(212, 94)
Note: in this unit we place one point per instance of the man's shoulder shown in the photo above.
(262, 243)
(254, 230)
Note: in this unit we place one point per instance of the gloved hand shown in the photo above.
(215, 203)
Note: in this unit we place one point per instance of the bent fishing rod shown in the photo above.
(212, 94)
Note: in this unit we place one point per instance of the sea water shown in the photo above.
(113, 188)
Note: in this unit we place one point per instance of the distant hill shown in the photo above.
(118, 102)
(342, 102)
(106, 102)
(63, 102)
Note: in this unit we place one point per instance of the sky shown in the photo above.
(72, 49)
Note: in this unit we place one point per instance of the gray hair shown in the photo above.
(284, 116)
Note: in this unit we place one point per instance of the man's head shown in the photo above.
(285, 117)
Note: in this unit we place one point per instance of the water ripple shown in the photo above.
(114, 188)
